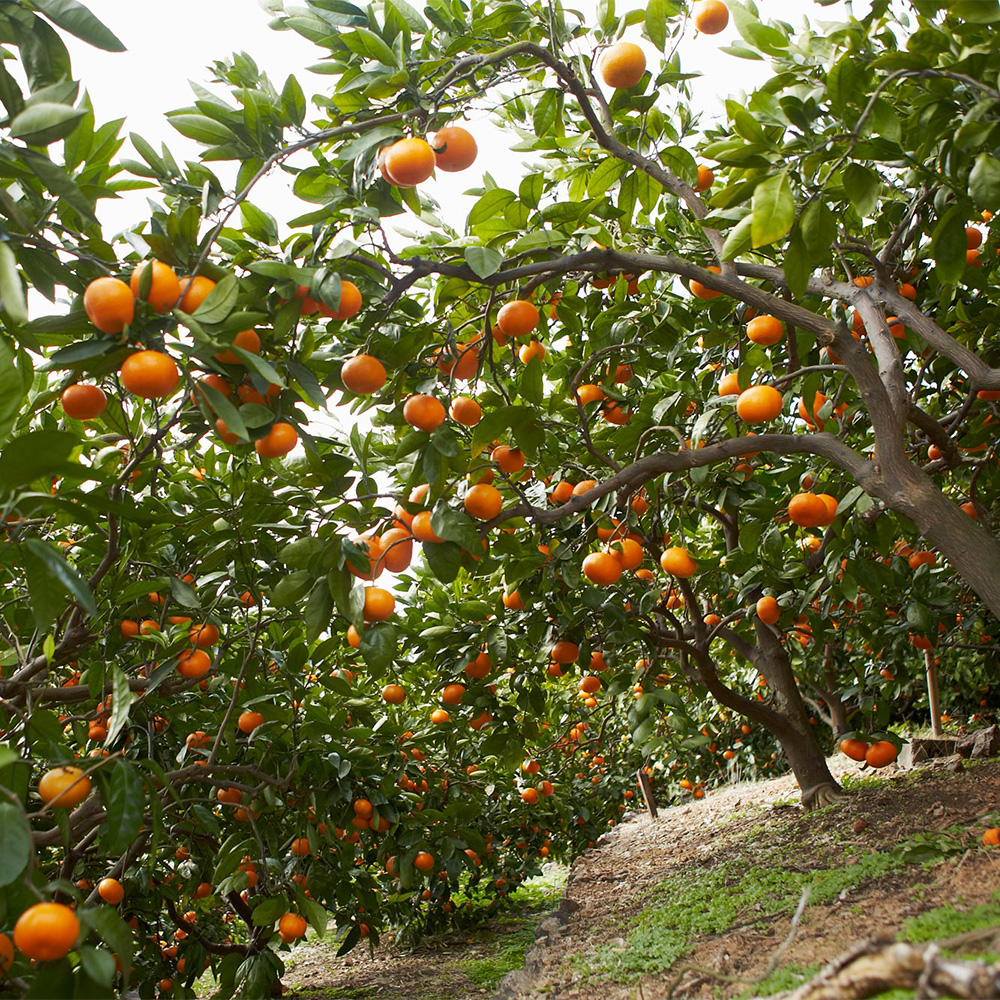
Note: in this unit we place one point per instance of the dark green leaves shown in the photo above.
(121, 703)
(15, 843)
(984, 181)
(378, 647)
(656, 23)
(862, 188)
(949, 245)
(219, 302)
(73, 17)
(483, 260)
(773, 209)
(33, 455)
(125, 804)
(50, 580)
(12, 298)
(46, 122)
(444, 560)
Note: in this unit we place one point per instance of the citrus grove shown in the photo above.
(348, 577)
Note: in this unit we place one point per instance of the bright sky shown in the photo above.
(164, 53)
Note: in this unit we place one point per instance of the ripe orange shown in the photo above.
(590, 684)
(765, 330)
(397, 550)
(363, 374)
(350, 302)
(517, 318)
(973, 237)
(423, 862)
(677, 562)
(247, 340)
(379, 604)
(812, 418)
(590, 393)
(409, 162)
(561, 492)
(194, 663)
(454, 148)
(705, 178)
(421, 528)
(111, 891)
(483, 502)
(729, 385)
(249, 721)
(528, 352)
(64, 787)
(758, 404)
(278, 441)
(46, 932)
(109, 304)
(622, 65)
(710, 16)
(216, 382)
(480, 667)
(991, 837)
(880, 754)
(394, 694)
(921, 558)
(807, 510)
(466, 411)
(423, 412)
(565, 652)
(508, 459)
(700, 291)
(165, 290)
(855, 749)
(228, 437)
(6, 952)
(832, 503)
(439, 716)
(195, 290)
(452, 694)
(768, 610)
(628, 552)
(150, 374)
(530, 796)
(300, 847)
(291, 926)
(513, 602)
(83, 402)
(602, 568)
(461, 363)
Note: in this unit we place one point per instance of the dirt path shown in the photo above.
(700, 900)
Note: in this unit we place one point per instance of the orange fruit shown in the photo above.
(628, 552)
(463, 362)
(423, 861)
(247, 340)
(517, 318)
(565, 652)
(677, 562)
(165, 290)
(991, 837)
(409, 162)
(278, 441)
(216, 382)
(880, 754)
(83, 402)
(973, 237)
(291, 926)
(758, 404)
(421, 528)
(194, 663)
(622, 65)
(590, 684)
(812, 418)
(768, 610)
(602, 568)
(6, 952)
(765, 330)
(64, 787)
(109, 304)
(46, 932)
(855, 749)
(466, 411)
(480, 667)
(150, 374)
(922, 558)
(111, 891)
(300, 847)
(528, 352)
(439, 716)
(513, 602)
(710, 16)
(350, 302)
(397, 550)
(452, 694)
(908, 292)
(729, 385)
(700, 291)
(589, 393)
(204, 635)
(454, 148)
(832, 503)
(561, 492)
(807, 510)
(249, 721)
(363, 374)
(379, 604)
(194, 290)
(423, 412)
(483, 502)
(228, 437)
(394, 694)
(530, 796)
(705, 178)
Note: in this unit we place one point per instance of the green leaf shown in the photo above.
(976, 11)
(11, 389)
(547, 111)
(125, 805)
(99, 965)
(183, 593)
(318, 610)
(984, 181)
(484, 261)
(207, 131)
(116, 934)
(920, 618)
(15, 843)
(266, 912)
(259, 365)
(378, 646)
(219, 302)
(796, 265)
(121, 703)
(948, 245)
(656, 23)
(46, 122)
(291, 589)
(75, 18)
(773, 209)
(738, 239)
(491, 204)
(819, 230)
(50, 579)
(862, 187)
(223, 408)
(11, 289)
(444, 559)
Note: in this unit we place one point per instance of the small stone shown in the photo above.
(860, 825)
(986, 743)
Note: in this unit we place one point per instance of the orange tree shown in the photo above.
(376, 666)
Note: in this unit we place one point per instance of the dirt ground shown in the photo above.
(698, 902)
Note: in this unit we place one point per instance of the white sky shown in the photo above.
(164, 53)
